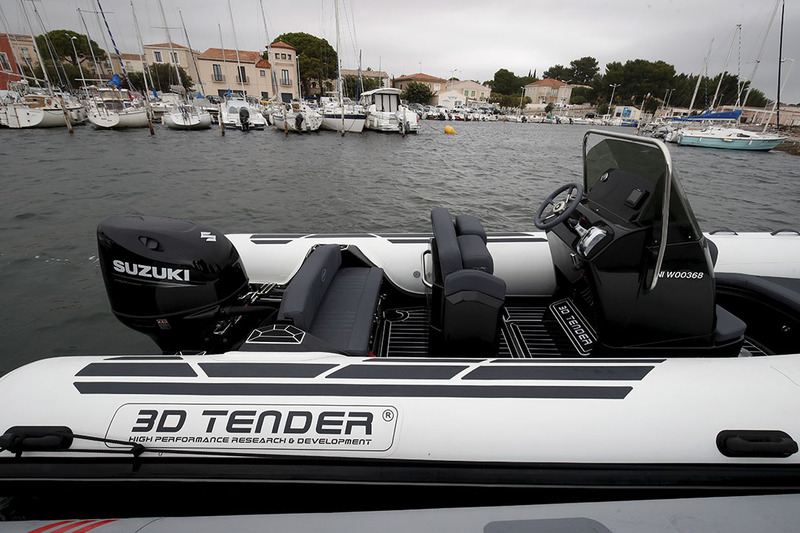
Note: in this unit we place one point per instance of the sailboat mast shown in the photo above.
(236, 44)
(780, 61)
(725, 68)
(89, 41)
(275, 88)
(172, 55)
(36, 48)
(338, 64)
(699, 78)
(760, 53)
(191, 53)
(147, 105)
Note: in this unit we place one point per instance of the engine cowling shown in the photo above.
(166, 277)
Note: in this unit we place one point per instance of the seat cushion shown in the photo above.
(474, 254)
(308, 287)
(345, 316)
(470, 225)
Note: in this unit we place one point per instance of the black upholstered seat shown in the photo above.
(466, 298)
(334, 304)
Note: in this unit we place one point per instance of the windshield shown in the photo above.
(625, 176)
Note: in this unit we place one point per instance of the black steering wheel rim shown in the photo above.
(565, 214)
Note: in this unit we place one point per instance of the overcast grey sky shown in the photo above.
(466, 38)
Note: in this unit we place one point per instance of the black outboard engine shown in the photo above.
(244, 118)
(170, 279)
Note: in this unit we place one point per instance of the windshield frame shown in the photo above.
(652, 142)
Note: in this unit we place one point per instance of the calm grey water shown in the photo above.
(57, 187)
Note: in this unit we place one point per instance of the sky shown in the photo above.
(466, 38)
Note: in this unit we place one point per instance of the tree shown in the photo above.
(583, 70)
(558, 72)
(163, 75)
(316, 58)
(417, 93)
(61, 41)
(505, 82)
(351, 88)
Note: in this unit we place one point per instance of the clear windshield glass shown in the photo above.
(645, 167)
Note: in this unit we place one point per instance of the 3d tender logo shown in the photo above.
(151, 272)
(270, 427)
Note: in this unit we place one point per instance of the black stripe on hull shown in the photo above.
(41, 472)
(382, 391)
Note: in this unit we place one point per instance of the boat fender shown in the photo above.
(48, 102)
(20, 439)
(449, 129)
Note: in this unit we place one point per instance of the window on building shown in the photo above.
(277, 55)
(217, 72)
(4, 61)
(157, 56)
(25, 52)
(283, 56)
(289, 56)
(437, 86)
(174, 56)
(242, 74)
(284, 77)
(473, 94)
(263, 73)
(466, 92)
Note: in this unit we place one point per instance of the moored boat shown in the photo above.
(114, 108)
(238, 113)
(187, 117)
(386, 113)
(729, 138)
(297, 117)
(604, 350)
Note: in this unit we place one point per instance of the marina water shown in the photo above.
(57, 187)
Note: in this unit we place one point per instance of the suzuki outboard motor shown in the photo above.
(170, 279)
(244, 118)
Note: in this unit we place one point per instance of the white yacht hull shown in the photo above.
(353, 123)
(187, 121)
(21, 116)
(131, 118)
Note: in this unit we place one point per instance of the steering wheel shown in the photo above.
(562, 209)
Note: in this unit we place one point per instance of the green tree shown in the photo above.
(417, 93)
(351, 85)
(316, 58)
(583, 70)
(163, 75)
(61, 41)
(558, 72)
(505, 82)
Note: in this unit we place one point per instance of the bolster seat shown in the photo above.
(335, 304)
(466, 298)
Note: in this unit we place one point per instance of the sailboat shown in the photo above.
(338, 115)
(113, 107)
(38, 108)
(183, 115)
(734, 137)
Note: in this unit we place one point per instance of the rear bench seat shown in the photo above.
(336, 305)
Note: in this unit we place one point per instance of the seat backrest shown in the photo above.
(445, 249)
(305, 292)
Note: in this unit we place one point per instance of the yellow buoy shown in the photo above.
(449, 129)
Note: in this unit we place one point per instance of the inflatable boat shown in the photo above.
(615, 346)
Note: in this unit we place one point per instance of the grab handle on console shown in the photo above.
(425, 281)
